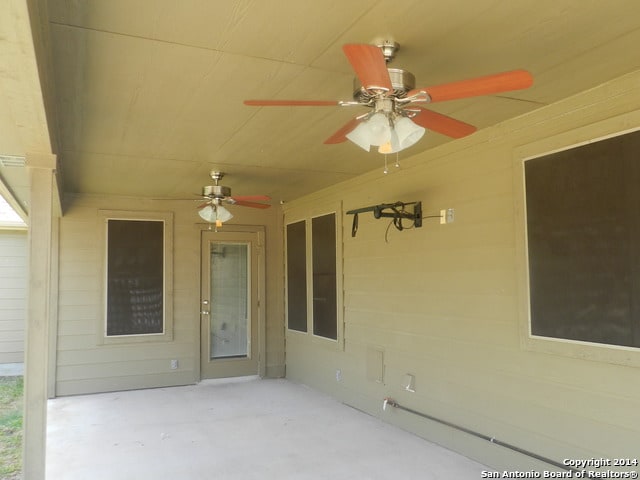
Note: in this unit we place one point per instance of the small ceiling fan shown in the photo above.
(397, 120)
(216, 195)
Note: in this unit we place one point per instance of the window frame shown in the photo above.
(307, 216)
(167, 220)
(311, 287)
(306, 287)
(600, 352)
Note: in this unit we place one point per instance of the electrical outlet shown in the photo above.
(447, 216)
(174, 364)
(450, 215)
(338, 375)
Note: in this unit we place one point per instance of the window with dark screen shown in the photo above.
(323, 246)
(135, 277)
(583, 240)
(297, 276)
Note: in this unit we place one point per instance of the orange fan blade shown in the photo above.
(292, 103)
(251, 198)
(340, 135)
(442, 124)
(244, 203)
(369, 64)
(499, 82)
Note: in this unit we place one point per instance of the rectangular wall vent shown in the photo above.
(11, 161)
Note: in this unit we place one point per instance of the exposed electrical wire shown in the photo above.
(399, 220)
(398, 224)
(386, 232)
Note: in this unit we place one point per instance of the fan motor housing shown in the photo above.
(216, 191)
(401, 80)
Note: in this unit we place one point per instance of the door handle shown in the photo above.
(204, 312)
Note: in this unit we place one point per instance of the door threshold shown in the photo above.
(218, 381)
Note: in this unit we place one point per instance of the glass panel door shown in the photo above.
(232, 275)
(230, 308)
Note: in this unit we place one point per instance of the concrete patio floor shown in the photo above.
(251, 429)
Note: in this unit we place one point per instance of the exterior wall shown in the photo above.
(13, 294)
(85, 366)
(445, 303)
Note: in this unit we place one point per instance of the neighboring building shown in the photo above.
(13, 284)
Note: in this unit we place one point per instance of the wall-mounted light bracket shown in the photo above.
(398, 211)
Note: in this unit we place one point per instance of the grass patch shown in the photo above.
(11, 391)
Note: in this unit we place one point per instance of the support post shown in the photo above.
(41, 213)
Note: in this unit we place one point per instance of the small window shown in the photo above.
(323, 241)
(583, 234)
(137, 270)
(296, 277)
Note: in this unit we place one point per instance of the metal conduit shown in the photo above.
(392, 403)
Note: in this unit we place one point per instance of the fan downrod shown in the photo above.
(389, 49)
(216, 176)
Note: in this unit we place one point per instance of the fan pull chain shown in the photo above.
(386, 164)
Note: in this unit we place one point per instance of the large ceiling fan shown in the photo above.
(216, 195)
(397, 120)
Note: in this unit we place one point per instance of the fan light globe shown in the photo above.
(379, 129)
(360, 136)
(374, 131)
(408, 132)
(217, 214)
